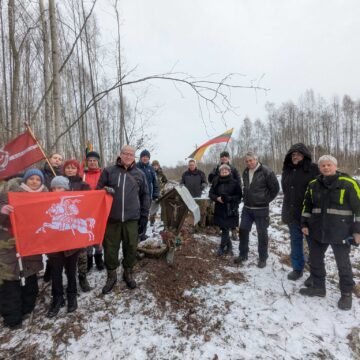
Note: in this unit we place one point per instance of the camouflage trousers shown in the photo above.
(82, 261)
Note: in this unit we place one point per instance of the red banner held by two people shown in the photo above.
(19, 154)
(50, 222)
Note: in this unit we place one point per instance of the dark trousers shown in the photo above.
(317, 265)
(125, 232)
(16, 300)
(261, 219)
(297, 246)
(225, 239)
(58, 263)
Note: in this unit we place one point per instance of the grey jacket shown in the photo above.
(131, 199)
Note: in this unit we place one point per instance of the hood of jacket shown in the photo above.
(301, 148)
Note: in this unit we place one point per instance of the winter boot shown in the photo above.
(309, 281)
(261, 263)
(312, 291)
(56, 303)
(223, 242)
(152, 220)
(240, 260)
(234, 236)
(220, 251)
(89, 262)
(345, 301)
(229, 250)
(47, 274)
(71, 303)
(110, 281)
(83, 282)
(99, 262)
(128, 278)
(295, 275)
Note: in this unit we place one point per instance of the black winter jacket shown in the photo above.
(215, 173)
(131, 198)
(48, 174)
(263, 188)
(294, 181)
(226, 215)
(77, 184)
(195, 182)
(332, 208)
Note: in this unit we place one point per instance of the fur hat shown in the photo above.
(145, 153)
(60, 182)
(32, 172)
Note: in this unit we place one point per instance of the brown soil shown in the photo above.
(195, 264)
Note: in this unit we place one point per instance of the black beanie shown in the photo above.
(145, 153)
(93, 154)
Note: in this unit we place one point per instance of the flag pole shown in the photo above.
(40, 147)
(21, 268)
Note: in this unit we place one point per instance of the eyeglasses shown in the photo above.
(127, 154)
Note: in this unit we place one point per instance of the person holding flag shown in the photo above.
(17, 301)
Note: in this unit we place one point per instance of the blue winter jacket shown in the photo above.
(151, 178)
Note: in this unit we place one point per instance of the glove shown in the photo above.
(109, 190)
(225, 198)
(142, 224)
(7, 209)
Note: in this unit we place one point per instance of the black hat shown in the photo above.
(145, 153)
(93, 154)
(224, 153)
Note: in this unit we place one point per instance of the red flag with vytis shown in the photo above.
(49, 222)
(19, 154)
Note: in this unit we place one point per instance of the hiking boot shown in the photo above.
(56, 303)
(47, 273)
(220, 251)
(309, 281)
(295, 275)
(110, 281)
(240, 260)
(99, 262)
(312, 291)
(84, 284)
(89, 262)
(345, 301)
(229, 251)
(128, 278)
(261, 264)
(71, 303)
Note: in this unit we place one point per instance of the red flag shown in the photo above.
(50, 222)
(18, 154)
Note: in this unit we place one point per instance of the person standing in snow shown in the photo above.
(194, 179)
(226, 192)
(331, 216)
(144, 165)
(225, 159)
(91, 176)
(131, 204)
(56, 160)
(162, 180)
(17, 301)
(260, 188)
(298, 170)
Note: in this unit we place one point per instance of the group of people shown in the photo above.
(320, 204)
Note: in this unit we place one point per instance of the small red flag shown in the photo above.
(18, 154)
(50, 222)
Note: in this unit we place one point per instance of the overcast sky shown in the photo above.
(296, 44)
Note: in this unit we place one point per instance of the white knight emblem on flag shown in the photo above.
(64, 217)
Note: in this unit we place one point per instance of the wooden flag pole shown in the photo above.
(40, 147)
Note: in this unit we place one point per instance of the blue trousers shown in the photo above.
(297, 246)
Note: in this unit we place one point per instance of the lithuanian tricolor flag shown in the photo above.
(199, 152)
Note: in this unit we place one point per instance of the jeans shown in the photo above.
(297, 246)
(261, 219)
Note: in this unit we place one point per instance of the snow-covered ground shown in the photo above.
(261, 318)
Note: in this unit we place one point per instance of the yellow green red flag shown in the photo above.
(199, 152)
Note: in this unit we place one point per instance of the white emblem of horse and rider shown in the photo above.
(64, 217)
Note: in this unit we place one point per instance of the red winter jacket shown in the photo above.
(91, 177)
